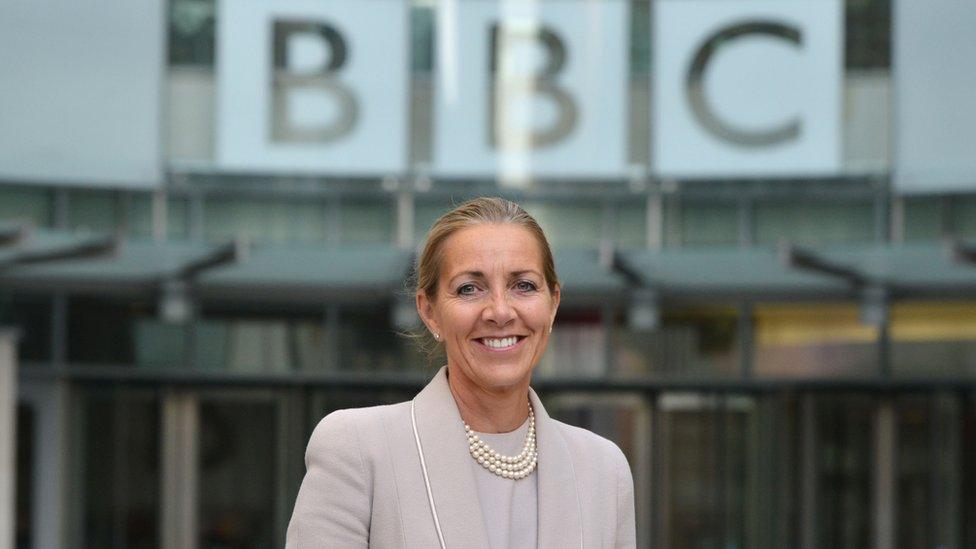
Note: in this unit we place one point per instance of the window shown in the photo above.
(812, 340)
(31, 314)
(119, 469)
(809, 222)
(689, 342)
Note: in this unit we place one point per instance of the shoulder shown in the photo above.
(354, 428)
(593, 448)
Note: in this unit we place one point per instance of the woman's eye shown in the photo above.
(526, 286)
(466, 289)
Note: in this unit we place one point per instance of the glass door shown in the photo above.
(224, 458)
(705, 470)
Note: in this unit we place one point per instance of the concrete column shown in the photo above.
(180, 493)
(809, 472)
(8, 436)
(50, 477)
(885, 475)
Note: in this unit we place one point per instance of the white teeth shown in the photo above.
(500, 343)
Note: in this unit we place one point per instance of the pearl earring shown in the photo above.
(436, 336)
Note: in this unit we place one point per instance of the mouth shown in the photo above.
(500, 344)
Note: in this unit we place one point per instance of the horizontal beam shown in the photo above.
(413, 381)
(87, 249)
(13, 234)
(232, 252)
(807, 260)
(961, 252)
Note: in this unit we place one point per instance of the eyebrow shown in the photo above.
(480, 274)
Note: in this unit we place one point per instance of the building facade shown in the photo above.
(786, 355)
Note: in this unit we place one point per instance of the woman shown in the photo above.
(473, 460)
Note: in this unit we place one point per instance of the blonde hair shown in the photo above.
(477, 211)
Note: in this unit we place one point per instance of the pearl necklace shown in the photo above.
(511, 467)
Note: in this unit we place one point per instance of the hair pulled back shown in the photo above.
(478, 211)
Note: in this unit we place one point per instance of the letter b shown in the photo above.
(285, 82)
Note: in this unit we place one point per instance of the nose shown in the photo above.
(498, 310)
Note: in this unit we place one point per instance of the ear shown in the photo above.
(425, 308)
(556, 295)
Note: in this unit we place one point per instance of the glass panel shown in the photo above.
(704, 470)
(31, 314)
(140, 216)
(425, 214)
(772, 511)
(963, 210)
(26, 204)
(568, 225)
(119, 462)
(844, 432)
(103, 331)
(92, 211)
(159, 344)
(238, 445)
(688, 342)
(868, 34)
(709, 224)
(805, 221)
(631, 226)
(968, 461)
(368, 342)
(422, 21)
(325, 401)
(265, 342)
(933, 339)
(915, 468)
(23, 530)
(265, 220)
(577, 346)
(191, 32)
(930, 471)
(367, 222)
(813, 340)
(923, 219)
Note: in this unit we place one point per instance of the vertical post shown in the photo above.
(180, 483)
(159, 214)
(882, 215)
(897, 220)
(404, 236)
(746, 344)
(50, 478)
(655, 219)
(809, 470)
(196, 206)
(945, 473)
(332, 321)
(885, 477)
(8, 436)
(747, 231)
(643, 480)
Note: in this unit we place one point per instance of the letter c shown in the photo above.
(704, 112)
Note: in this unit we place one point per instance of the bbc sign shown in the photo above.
(532, 89)
(749, 87)
(535, 88)
(313, 86)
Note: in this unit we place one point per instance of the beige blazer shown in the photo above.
(364, 485)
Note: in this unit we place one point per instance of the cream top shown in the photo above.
(509, 507)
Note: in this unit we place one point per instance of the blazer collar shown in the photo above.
(453, 484)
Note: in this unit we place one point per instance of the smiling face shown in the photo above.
(493, 310)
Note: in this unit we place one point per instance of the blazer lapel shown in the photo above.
(560, 523)
(452, 481)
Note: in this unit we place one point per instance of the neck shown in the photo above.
(487, 411)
